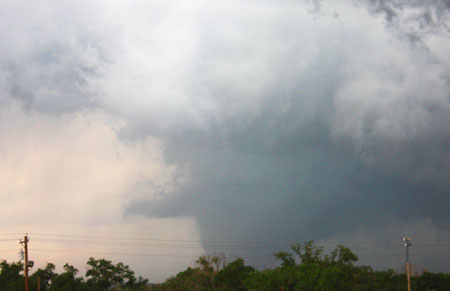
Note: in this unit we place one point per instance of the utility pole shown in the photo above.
(407, 241)
(25, 246)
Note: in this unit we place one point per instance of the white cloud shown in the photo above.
(71, 175)
(240, 75)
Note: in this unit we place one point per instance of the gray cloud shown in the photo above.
(283, 124)
(49, 52)
(414, 18)
(351, 136)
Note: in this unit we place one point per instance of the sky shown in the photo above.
(151, 132)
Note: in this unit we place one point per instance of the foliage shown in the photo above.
(287, 259)
(45, 276)
(308, 267)
(316, 271)
(102, 275)
(430, 281)
(10, 277)
(67, 280)
(233, 275)
(201, 277)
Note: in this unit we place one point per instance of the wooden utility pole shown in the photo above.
(39, 284)
(25, 246)
(408, 276)
(407, 241)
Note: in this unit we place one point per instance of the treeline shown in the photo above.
(101, 275)
(307, 267)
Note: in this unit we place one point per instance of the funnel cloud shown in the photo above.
(260, 121)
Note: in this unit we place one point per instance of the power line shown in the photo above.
(274, 243)
(188, 256)
(112, 253)
(158, 245)
(361, 248)
(401, 255)
(161, 245)
(158, 239)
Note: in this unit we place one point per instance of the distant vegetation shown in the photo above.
(307, 268)
(100, 275)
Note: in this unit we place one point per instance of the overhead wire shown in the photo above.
(191, 256)
(161, 245)
(213, 246)
(155, 239)
(10, 250)
(364, 249)
(225, 241)
(113, 253)
(222, 247)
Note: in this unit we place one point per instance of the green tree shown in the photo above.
(287, 259)
(272, 279)
(10, 277)
(67, 281)
(102, 275)
(433, 281)
(45, 276)
(200, 277)
(233, 275)
(309, 253)
(316, 270)
(389, 280)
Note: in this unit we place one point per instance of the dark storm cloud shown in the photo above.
(284, 125)
(420, 16)
(314, 162)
